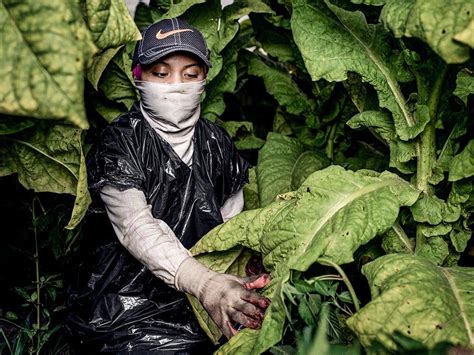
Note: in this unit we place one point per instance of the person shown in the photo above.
(166, 177)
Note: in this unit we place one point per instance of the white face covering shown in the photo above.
(173, 110)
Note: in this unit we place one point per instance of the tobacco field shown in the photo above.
(357, 119)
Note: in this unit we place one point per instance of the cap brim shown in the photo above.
(154, 55)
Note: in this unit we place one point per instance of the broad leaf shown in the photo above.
(464, 85)
(213, 105)
(460, 237)
(400, 152)
(45, 46)
(451, 145)
(274, 40)
(331, 215)
(462, 165)
(414, 296)
(435, 249)
(283, 164)
(99, 63)
(251, 191)
(435, 22)
(234, 12)
(117, 83)
(281, 86)
(179, 8)
(12, 124)
(334, 41)
(207, 17)
(429, 209)
(49, 160)
(466, 36)
(110, 23)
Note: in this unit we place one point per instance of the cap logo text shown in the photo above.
(163, 35)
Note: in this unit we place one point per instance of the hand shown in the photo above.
(227, 298)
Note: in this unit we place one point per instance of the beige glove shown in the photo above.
(227, 298)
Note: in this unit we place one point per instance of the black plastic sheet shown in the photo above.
(116, 304)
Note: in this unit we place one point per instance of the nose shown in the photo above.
(175, 77)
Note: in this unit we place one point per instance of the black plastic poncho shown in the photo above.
(118, 304)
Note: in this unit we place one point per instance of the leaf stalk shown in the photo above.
(427, 141)
(345, 279)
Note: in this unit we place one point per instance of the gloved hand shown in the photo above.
(227, 298)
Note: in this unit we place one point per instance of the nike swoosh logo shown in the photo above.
(163, 35)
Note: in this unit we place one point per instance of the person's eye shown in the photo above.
(191, 75)
(160, 74)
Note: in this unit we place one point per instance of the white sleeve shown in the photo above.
(148, 239)
(233, 205)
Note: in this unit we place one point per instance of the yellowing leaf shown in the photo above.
(416, 297)
(45, 46)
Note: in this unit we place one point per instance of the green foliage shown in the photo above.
(314, 222)
(435, 22)
(45, 46)
(369, 85)
(401, 284)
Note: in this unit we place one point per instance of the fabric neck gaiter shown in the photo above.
(173, 110)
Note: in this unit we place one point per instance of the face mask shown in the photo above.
(173, 107)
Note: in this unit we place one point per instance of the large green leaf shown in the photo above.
(117, 83)
(400, 152)
(435, 22)
(334, 41)
(49, 159)
(414, 296)
(283, 164)
(45, 46)
(466, 35)
(451, 145)
(213, 105)
(12, 124)
(110, 23)
(99, 63)
(462, 165)
(243, 134)
(333, 213)
(233, 13)
(281, 86)
(251, 191)
(179, 8)
(464, 85)
(275, 41)
(207, 18)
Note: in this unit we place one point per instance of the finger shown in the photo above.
(242, 319)
(249, 310)
(232, 329)
(256, 282)
(226, 328)
(256, 299)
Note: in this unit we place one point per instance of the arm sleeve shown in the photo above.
(149, 240)
(233, 205)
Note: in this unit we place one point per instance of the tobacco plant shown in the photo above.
(356, 116)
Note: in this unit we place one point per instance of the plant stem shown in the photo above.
(427, 141)
(400, 233)
(330, 146)
(345, 279)
(38, 288)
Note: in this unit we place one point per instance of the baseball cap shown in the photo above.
(168, 36)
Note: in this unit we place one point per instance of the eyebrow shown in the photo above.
(185, 67)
